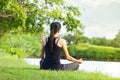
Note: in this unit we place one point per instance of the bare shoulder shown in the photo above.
(62, 41)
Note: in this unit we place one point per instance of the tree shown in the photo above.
(76, 37)
(31, 16)
(12, 15)
(116, 40)
(69, 38)
(100, 41)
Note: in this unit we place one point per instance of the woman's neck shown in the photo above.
(56, 35)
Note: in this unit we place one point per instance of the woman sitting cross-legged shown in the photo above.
(52, 48)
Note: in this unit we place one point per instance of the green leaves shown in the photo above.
(3, 3)
(13, 16)
(54, 2)
(116, 40)
(94, 52)
(18, 12)
(71, 22)
(56, 14)
(75, 11)
(22, 45)
(31, 16)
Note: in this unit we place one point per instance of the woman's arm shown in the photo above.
(42, 50)
(68, 57)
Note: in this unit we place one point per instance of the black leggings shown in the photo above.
(70, 66)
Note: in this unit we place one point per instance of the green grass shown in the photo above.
(12, 68)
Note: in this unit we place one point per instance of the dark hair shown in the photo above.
(54, 28)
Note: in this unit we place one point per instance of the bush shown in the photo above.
(19, 52)
(21, 44)
(93, 52)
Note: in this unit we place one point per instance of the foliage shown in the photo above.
(21, 44)
(33, 15)
(12, 68)
(116, 40)
(76, 37)
(100, 41)
(16, 51)
(12, 15)
(69, 38)
(105, 42)
(93, 52)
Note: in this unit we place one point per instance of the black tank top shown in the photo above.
(52, 59)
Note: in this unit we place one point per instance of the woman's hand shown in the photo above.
(80, 61)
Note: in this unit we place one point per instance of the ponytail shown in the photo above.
(51, 39)
(54, 27)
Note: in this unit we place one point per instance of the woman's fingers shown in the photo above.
(80, 61)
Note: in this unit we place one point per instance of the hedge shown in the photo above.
(21, 44)
(94, 52)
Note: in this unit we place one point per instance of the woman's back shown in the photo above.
(52, 59)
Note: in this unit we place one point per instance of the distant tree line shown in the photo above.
(79, 38)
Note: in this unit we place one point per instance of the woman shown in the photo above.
(52, 48)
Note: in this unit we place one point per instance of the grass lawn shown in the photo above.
(12, 68)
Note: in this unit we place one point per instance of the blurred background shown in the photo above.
(91, 27)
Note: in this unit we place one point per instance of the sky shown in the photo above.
(101, 18)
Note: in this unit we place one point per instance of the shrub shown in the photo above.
(94, 52)
(21, 44)
(17, 51)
